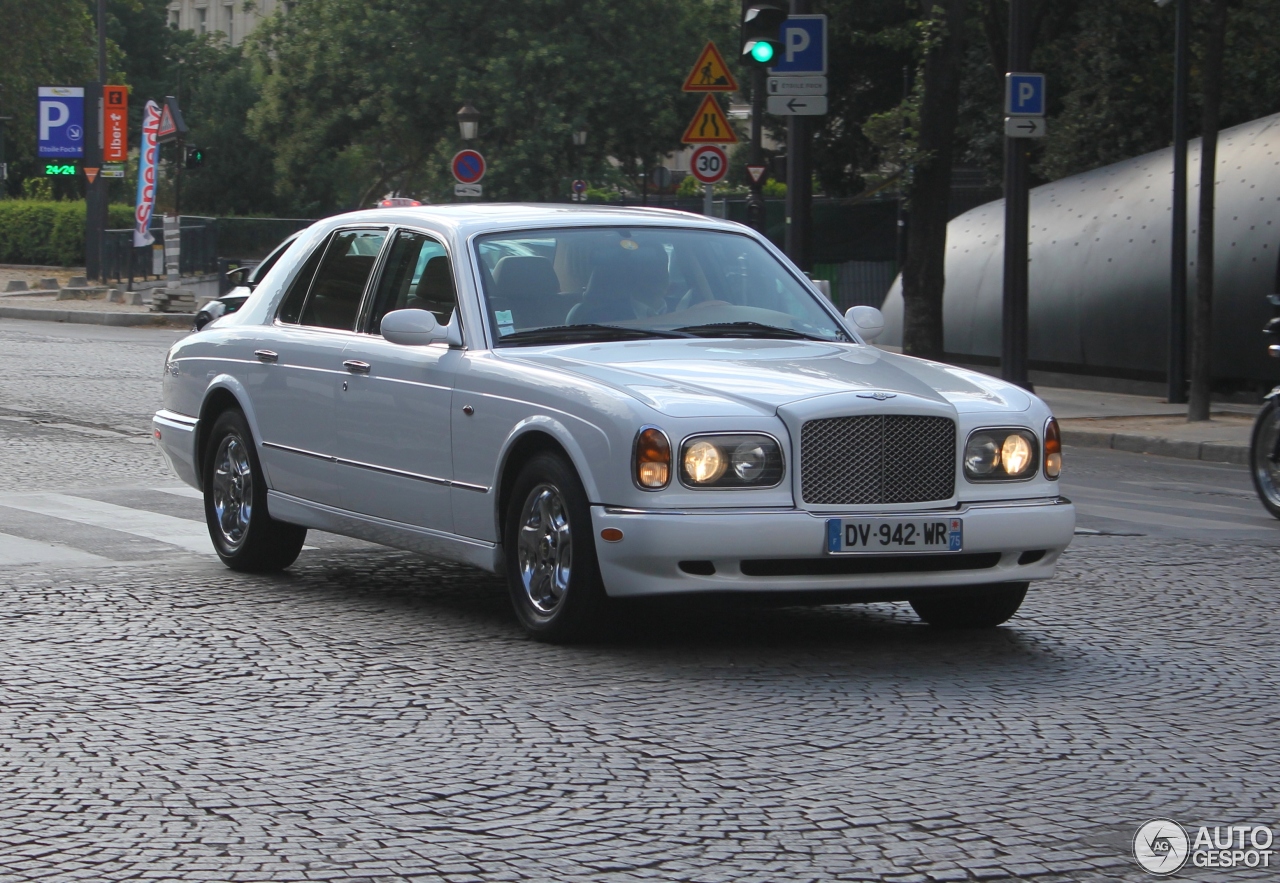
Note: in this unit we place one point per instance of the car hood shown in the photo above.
(713, 377)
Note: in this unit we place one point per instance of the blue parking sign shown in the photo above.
(1024, 95)
(804, 46)
(60, 122)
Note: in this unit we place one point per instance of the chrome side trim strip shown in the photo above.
(373, 467)
(181, 420)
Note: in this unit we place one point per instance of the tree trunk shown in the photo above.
(924, 274)
(1202, 309)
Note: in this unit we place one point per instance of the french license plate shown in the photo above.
(894, 535)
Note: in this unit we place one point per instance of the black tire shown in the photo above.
(246, 538)
(554, 577)
(1263, 465)
(975, 607)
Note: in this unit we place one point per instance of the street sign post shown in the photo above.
(1024, 127)
(710, 73)
(804, 46)
(789, 105)
(61, 122)
(709, 125)
(1024, 95)
(709, 164)
(807, 86)
(468, 167)
(756, 172)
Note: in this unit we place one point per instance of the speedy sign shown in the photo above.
(148, 156)
(61, 122)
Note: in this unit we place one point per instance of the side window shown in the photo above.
(339, 284)
(291, 306)
(418, 276)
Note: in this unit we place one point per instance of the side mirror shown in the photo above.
(237, 276)
(868, 320)
(215, 309)
(418, 328)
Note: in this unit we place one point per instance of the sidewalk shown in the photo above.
(1148, 425)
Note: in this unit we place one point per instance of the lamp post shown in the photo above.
(1177, 391)
(468, 122)
(579, 142)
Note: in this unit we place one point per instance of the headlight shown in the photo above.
(1001, 455)
(651, 460)
(731, 461)
(1052, 450)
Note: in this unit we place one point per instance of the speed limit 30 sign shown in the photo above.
(709, 164)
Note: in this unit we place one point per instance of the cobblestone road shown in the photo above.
(373, 716)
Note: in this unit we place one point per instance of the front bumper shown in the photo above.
(175, 436)
(647, 561)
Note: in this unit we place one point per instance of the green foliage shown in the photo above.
(774, 189)
(52, 233)
(360, 98)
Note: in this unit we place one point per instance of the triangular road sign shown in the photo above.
(709, 125)
(171, 123)
(710, 73)
(756, 173)
(90, 173)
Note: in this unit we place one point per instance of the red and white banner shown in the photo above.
(148, 160)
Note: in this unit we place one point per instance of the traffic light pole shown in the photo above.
(755, 207)
(799, 180)
(1013, 340)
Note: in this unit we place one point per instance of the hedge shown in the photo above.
(51, 233)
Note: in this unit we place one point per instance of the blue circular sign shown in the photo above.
(579, 186)
(468, 166)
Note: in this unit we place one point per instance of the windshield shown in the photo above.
(597, 283)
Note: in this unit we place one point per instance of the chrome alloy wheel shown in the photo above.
(232, 491)
(545, 548)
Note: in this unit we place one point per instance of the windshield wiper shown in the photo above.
(589, 331)
(748, 329)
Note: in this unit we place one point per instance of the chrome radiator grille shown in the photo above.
(880, 459)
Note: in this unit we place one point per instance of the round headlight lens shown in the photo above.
(748, 461)
(703, 462)
(981, 455)
(1016, 455)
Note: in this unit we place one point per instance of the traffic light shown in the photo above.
(195, 156)
(761, 30)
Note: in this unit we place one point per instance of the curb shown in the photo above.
(1210, 452)
(98, 317)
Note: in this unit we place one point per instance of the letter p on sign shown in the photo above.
(52, 115)
(1024, 95)
(796, 41)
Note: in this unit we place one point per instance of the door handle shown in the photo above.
(266, 355)
(356, 367)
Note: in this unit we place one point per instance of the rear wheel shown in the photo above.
(245, 537)
(553, 575)
(1264, 464)
(976, 607)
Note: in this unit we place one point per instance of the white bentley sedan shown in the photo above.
(606, 403)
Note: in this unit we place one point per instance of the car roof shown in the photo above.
(468, 219)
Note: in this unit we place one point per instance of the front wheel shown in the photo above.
(1264, 457)
(245, 537)
(553, 575)
(976, 607)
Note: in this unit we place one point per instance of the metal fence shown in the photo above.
(203, 242)
(250, 239)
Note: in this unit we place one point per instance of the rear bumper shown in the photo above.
(785, 551)
(175, 436)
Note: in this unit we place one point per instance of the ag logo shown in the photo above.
(1161, 846)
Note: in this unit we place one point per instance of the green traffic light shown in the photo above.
(762, 52)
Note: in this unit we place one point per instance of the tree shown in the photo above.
(358, 96)
(929, 187)
(51, 43)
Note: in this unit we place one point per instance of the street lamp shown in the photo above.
(1177, 393)
(468, 122)
(580, 137)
